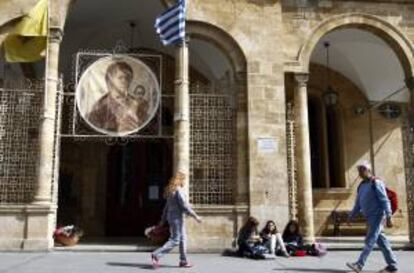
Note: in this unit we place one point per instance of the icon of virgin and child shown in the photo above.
(128, 101)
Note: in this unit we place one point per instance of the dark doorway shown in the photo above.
(326, 144)
(137, 173)
(316, 133)
(334, 147)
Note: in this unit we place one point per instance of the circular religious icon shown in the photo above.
(118, 95)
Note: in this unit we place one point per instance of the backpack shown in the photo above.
(391, 194)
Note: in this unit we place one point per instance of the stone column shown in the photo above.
(45, 165)
(304, 175)
(241, 187)
(410, 150)
(182, 113)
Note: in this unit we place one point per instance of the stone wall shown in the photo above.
(244, 20)
(271, 34)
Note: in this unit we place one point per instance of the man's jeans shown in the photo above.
(178, 237)
(374, 235)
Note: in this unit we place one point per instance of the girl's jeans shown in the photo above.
(276, 243)
(177, 237)
(374, 235)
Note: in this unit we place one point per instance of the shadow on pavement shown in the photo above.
(316, 270)
(142, 266)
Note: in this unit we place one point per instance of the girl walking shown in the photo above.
(174, 211)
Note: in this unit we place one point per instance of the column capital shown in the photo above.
(187, 38)
(55, 35)
(302, 78)
(409, 82)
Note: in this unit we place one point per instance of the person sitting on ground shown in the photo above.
(272, 239)
(293, 237)
(248, 238)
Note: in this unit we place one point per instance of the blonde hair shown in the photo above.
(176, 181)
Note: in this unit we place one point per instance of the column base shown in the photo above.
(26, 227)
(309, 240)
(219, 229)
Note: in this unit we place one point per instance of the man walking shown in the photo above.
(373, 202)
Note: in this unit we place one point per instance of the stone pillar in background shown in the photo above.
(182, 113)
(45, 171)
(410, 156)
(241, 187)
(304, 175)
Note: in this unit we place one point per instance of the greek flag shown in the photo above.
(170, 25)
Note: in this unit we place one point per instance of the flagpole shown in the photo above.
(182, 112)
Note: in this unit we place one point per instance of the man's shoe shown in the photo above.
(185, 265)
(389, 269)
(355, 267)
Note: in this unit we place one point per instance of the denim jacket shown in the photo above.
(372, 200)
(176, 207)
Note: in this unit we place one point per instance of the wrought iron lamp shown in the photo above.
(330, 96)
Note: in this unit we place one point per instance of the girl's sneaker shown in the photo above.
(185, 265)
(269, 256)
(155, 261)
(285, 254)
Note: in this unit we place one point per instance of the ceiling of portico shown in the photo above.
(366, 60)
(99, 24)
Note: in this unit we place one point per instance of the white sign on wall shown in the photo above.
(267, 145)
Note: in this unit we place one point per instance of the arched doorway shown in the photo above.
(353, 136)
(360, 43)
(113, 186)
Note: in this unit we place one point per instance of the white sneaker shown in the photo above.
(269, 256)
(355, 267)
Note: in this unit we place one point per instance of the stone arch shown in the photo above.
(221, 39)
(393, 36)
(231, 50)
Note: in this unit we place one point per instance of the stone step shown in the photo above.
(357, 242)
(125, 244)
(143, 245)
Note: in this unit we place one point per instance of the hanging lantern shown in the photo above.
(330, 96)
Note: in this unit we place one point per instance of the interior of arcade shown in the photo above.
(357, 105)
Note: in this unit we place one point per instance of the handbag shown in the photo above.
(158, 234)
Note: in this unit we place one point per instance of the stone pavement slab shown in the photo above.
(106, 262)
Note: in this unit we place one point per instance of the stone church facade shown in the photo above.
(263, 139)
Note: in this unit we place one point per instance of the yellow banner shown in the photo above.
(27, 42)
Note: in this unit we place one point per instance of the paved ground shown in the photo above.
(104, 262)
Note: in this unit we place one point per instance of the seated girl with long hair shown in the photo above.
(272, 239)
(248, 238)
(293, 237)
